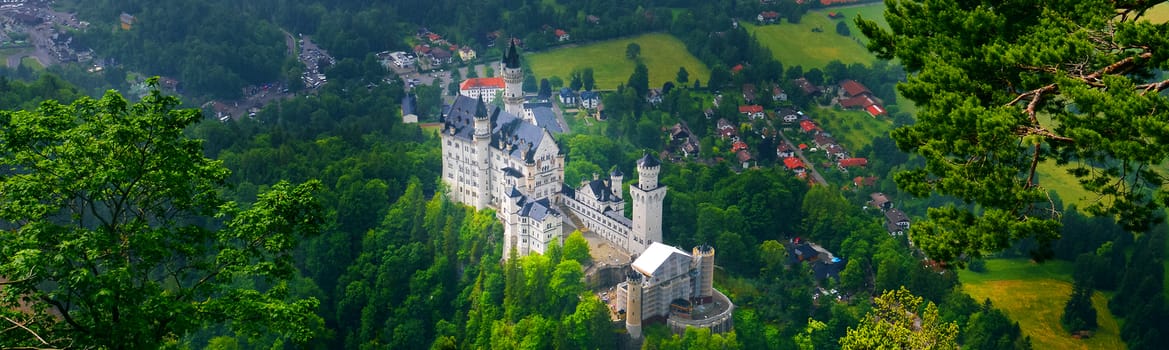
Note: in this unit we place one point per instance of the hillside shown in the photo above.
(661, 53)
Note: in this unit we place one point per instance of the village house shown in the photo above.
(752, 111)
(749, 93)
(726, 129)
(744, 157)
(485, 88)
(854, 95)
(807, 87)
(777, 94)
(466, 53)
(896, 222)
(561, 35)
(767, 17)
(590, 99)
(863, 181)
(852, 163)
(809, 127)
(794, 164)
(682, 140)
(567, 97)
(784, 150)
(880, 201)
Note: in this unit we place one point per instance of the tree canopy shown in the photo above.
(115, 235)
(1003, 89)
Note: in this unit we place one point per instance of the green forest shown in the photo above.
(321, 222)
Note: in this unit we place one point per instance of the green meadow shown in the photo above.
(814, 42)
(661, 53)
(1034, 295)
(853, 128)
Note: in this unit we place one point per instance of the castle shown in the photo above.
(600, 206)
(494, 158)
(667, 284)
(506, 159)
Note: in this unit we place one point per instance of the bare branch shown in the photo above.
(1153, 87)
(26, 329)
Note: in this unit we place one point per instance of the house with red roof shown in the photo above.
(794, 164)
(808, 126)
(752, 111)
(852, 163)
(861, 181)
(854, 95)
(767, 17)
(484, 88)
(736, 69)
(561, 35)
(739, 146)
(744, 158)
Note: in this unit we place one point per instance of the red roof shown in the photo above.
(853, 88)
(433, 37)
(738, 146)
(736, 68)
(770, 14)
(859, 101)
(793, 163)
(875, 110)
(743, 155)
(853, 162)
(561, 32)
(808, 125)
(751, 109)
(482, 83)
(803, 146)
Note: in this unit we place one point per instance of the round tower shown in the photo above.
(615, 178)
(481, 140)
(647, 172)
(513, 78)
(648, 199)
(633, 305)
(704, 256)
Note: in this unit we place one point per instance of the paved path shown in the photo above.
(800, 153)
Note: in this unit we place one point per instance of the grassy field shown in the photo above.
(662, 54)
(798, 44)
(1034, 295)
(31, 63)
(1158, 14)
(854, 129)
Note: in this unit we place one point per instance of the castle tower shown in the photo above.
(648, 200)
(704, 286)
(480, 141)
(509, 206)
(615, 178)
(633, 305)
(513, 77)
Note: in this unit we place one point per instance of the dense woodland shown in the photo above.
(396, 265)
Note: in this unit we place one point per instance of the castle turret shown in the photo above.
(513, 78)
(704, 286)
(481, 140)
(633, 305)
(615, 178)
(648, 200)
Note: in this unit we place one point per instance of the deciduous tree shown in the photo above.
(115, 235)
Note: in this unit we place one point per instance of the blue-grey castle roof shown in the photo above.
(509, 132)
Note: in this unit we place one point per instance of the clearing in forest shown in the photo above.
(662, 54)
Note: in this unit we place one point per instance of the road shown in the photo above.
(800, 153)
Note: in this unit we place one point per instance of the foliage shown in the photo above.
(632, 51)
(899, 320)
(693, 339)
(1028, 94)
(1079, 314)
(110, 241)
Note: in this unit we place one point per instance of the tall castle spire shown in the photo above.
(513, 77)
